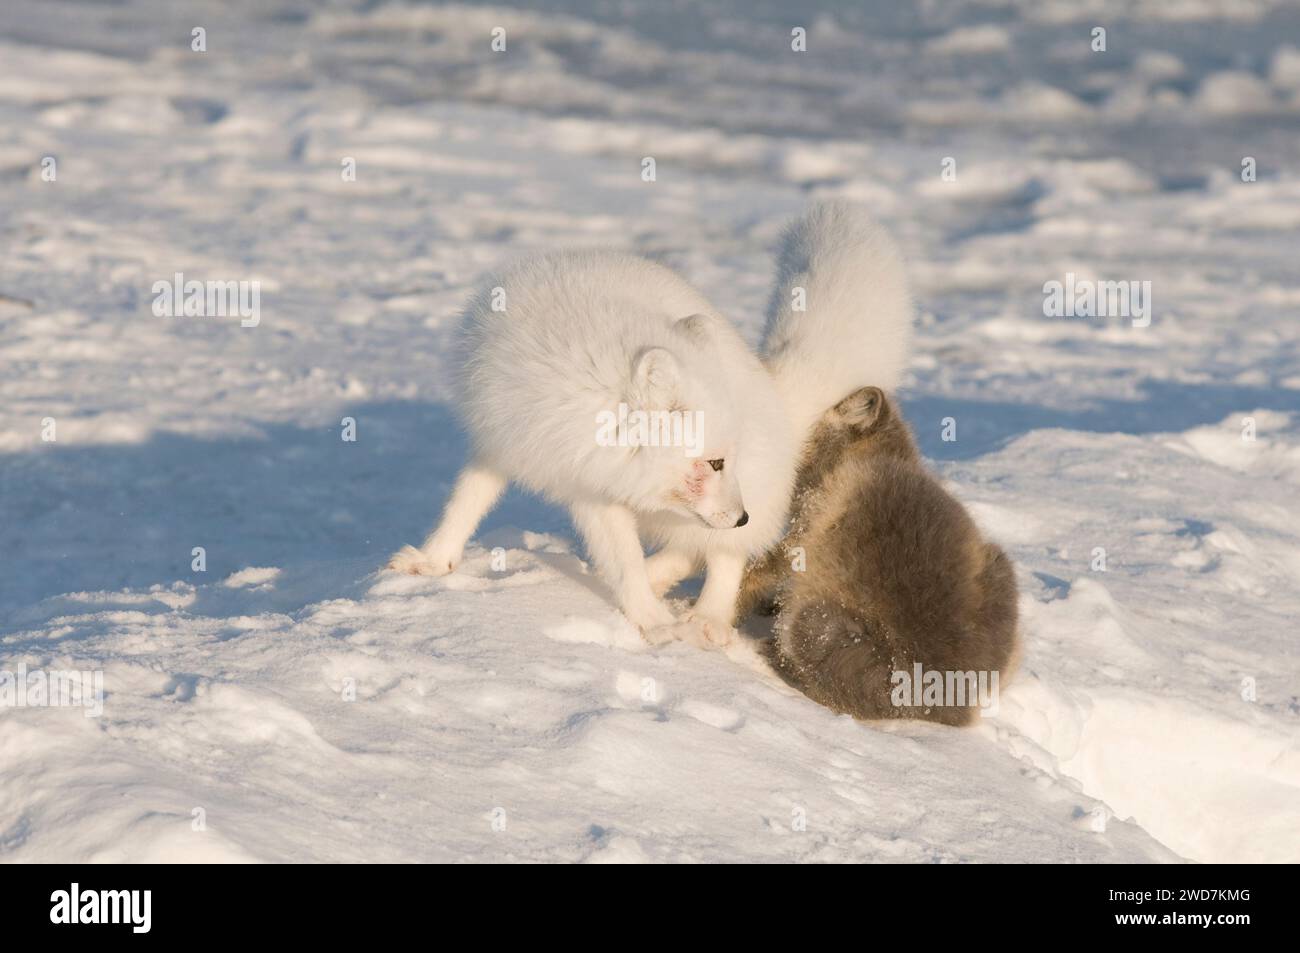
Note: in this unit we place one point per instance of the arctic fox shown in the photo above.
(895, 577)
(587, 356)
(585, 336)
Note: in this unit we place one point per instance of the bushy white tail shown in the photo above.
(855, 327)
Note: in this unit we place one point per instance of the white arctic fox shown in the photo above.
(586, 338)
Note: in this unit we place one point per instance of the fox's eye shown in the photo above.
(716, 464)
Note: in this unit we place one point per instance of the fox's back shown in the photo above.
(911, 549)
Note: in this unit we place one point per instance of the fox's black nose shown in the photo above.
(744, 518)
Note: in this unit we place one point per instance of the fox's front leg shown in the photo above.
(715, 610)
(609, 530)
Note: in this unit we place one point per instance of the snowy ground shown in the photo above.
(511, 713)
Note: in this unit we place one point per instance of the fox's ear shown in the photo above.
(863, 410)
(655, 377)
(698, 327)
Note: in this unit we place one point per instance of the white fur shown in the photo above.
(580, 334)
(857, 328)
(583, 332)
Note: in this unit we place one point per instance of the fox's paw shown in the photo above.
(649, 614)
(708, 632)
(416, 562)
(663, 634)
(689, 630)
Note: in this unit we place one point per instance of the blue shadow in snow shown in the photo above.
(128, 515)
(984, 426)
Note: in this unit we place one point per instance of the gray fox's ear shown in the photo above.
(697, 326)
(862, 410)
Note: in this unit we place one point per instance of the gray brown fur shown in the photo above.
(896, 572)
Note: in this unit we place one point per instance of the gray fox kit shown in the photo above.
(897, 581)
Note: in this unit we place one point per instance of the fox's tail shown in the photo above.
(841, 312)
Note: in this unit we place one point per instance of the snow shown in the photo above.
(290, 702)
